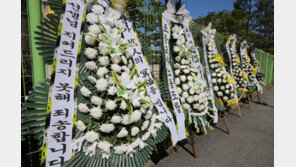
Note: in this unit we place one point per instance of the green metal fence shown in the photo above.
(147, 13)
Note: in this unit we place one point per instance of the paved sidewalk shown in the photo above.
(250, 143)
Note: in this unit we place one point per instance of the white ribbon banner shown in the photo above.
(230, 62)
(199, 67)
(61, 117)
(172, 87)
(230, 57)
(144, 72)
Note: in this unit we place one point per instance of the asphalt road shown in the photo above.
(250, 143)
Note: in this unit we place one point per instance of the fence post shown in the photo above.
(34, 16)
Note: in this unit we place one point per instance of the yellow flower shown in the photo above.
(231, 102)
(213, 44)
(220, 101)
(230, 79)
(219, 59)
(237, 60)
(229, 40)
(243, 90)
(258, 62)
(245, 76)
(254, 70)
(246, 51)
(248, 59)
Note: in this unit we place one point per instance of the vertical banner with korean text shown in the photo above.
(59, 131)
(171, 81)
(145, 73)
(199, 67)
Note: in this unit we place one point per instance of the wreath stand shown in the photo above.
(223, 117)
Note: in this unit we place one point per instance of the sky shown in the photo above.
(202, 7)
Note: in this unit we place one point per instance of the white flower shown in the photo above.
(214, 80)
(105, 148)
(85, 92)
(177, 81)
(107, 128)
(120, 149)
(116, 119)
(227, 91)
(110, 105)
(182, 99)
(190, 99)
(115, 67)
(186, 106)
(185, 94)
(195, 97)
(89, 39)
(96, 112)
(136, 116)
(123, 59)
(96, 100)
(91, 150)
(219, 80)
(177, 65)
(145, 125)
(94, 29)
(101, 84)
(91, 79)
(80, 125)
(122, 133)
(77, 143)
(91, 53)
(196, 106)
(190, 78)
(135, 131)
(191, 91)
(83, 108)
(92, 18)
(145, 136)
(216, 88)
(177, 32)
(123, 105)
(148, 114)
(97, 9)
(214, 74)
(185, 87)
(126, 119)
(177, 72)
(183, 78)
(91, 65)
(225, 98)
(116, 59)
(219, 93)
(104, 61)
(91, 136)
(102, 71)
(112, 90)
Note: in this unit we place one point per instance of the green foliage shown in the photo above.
(250, 19)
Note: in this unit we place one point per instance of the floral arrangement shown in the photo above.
(116, 112)
(260, 75)
(246, 64)
(223, 83)
(240, 77)
(190, 86)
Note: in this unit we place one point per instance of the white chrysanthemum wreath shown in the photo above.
(116, 110)
(190, 86)
(240, 77)
(246, 64)
(223, 82)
